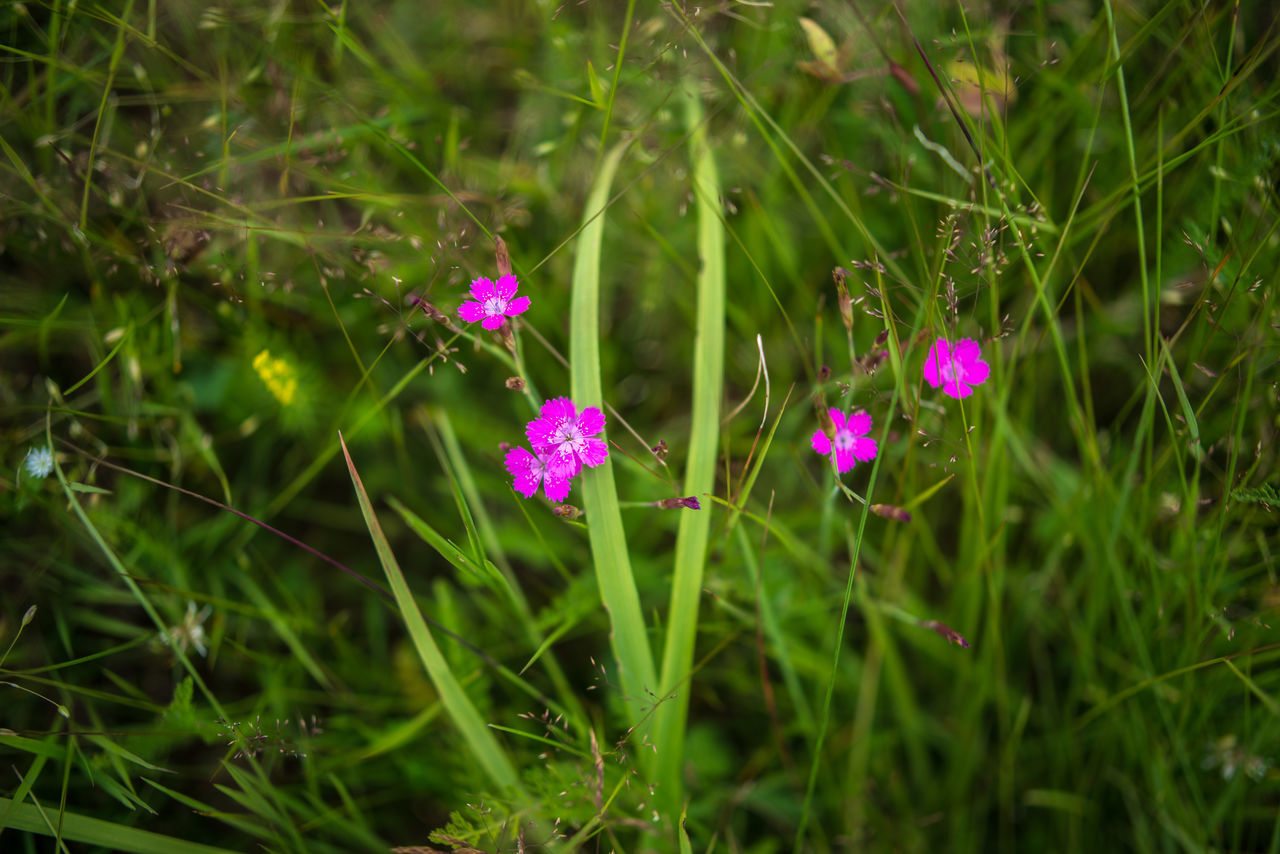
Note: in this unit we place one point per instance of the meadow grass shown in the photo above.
(274, 589)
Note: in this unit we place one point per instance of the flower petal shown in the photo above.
(482, 289)
(939, 355)
(957, 388)
(591, 421)
(976, 372)
(967, 350)
(526, 483)
(556, 488)
(493, 321)
(558, 409)
(821, 442)
(564, 464)
(519, 305)
(506, 287)
(845, 460)
(593, 452)
(519, 460)
(838, 418)
(539, 432)
(471, 311)
(859, 423)
(864, 449)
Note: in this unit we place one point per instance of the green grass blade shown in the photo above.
(700, 471)
(105, 834)
(470, 498)
(484, 573)
(599, 494)
(484, 747)
(1188, 412)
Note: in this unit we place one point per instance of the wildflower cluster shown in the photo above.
(955, 369)
(563, 444)
(562, 438)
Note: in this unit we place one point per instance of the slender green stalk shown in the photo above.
(700, 472)
(1139, 230)
(103, 834)
(488, 533)
(484, 747)
(618, 593)
(117, 53)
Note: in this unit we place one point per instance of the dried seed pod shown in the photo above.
(842, 294)
(503, 256)
(947, 632)
(688, 502)
(889, 511)
(429, 310)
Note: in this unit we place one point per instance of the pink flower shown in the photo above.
(957, 369)
(564, 434)
(530, 471)
(850, 443)
(491, 302)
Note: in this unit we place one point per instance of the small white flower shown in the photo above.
(190, 632)
(39, 462)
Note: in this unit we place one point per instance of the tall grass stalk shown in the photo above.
(628, 636)
(473, 500)
(462, 712)
(109, 835)
(700, 470)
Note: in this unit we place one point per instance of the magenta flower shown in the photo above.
(565, 435)
(492, 301)
(531, 470)
(957, 369)
(850, 443)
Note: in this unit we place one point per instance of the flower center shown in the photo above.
(953, 370)
(494, 305)
(568, 434)
(844, 439)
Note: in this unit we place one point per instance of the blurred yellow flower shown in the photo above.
(278, 375)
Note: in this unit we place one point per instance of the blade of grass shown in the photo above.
(484, 747)
(618, 592)
(105, 834)
(117, 53)
(700, 471)
(1148, 338)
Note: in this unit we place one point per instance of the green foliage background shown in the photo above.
(1087, 189)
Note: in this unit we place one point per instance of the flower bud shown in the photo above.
(689, 503)
(888, 511)
(947, 632)
(843, 298)
(566, 511)
(503, 256)
(429, 310)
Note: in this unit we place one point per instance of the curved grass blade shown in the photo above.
(599, 493)
(484, 747)
(700, 471)
(104, 834)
